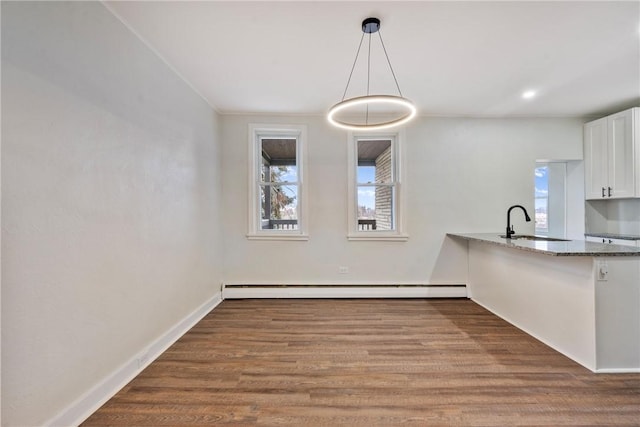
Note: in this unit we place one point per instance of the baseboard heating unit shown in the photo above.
(240, 291)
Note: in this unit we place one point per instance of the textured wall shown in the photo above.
(110, 210)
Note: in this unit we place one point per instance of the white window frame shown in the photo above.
(397, 159)
(256, 133)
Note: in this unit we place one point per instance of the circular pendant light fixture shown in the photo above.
(370, 26)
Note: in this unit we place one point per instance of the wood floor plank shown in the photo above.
(369, 362)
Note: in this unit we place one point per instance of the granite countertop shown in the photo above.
(563, 248)
(614, 236)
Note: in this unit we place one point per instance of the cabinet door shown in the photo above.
(620, 155)
(595, 159)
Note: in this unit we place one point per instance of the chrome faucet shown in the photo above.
(510, 231)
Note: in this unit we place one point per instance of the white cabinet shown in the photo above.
(612, 156)
(595, 158)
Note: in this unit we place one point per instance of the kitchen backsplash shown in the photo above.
(621, 216)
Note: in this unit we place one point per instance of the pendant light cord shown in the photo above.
(353, 67)
(369, 65)
(366, 118)
(389, 62)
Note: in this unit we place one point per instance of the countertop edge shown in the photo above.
(595, 249)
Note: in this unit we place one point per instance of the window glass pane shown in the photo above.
(542, 181)
(375, 208)
(542, 199)
(374, 161)
(384, 208)
(279, 160)
(279, 174)
(366, 204)
(542, 223)
(366, 174)
(279, 209)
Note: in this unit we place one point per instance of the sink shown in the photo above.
(532, 237)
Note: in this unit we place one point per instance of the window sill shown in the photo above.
(377, 237)
(279, 236)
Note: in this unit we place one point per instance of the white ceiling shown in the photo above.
(451, 58)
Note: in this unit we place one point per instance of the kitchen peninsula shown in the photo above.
(581, 298)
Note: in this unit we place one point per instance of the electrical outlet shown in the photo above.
(602, 271)
(343, 269)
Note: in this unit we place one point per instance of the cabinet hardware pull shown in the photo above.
(609, 191)
(602, 191)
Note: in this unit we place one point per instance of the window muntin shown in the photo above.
(276, 208)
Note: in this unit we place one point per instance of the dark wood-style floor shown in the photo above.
(366, 363)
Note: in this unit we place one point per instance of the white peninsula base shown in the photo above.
(562, 301)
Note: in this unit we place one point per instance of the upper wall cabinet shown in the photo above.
(612, 156)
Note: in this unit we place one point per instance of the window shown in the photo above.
(542, 199)
(550, 198)
(277, 188)
(374, 189)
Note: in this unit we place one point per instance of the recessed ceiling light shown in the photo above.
(528, 94)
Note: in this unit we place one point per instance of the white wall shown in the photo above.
(462, 175)
(110, 213)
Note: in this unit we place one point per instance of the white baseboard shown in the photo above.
(617, 371)
(93, 399)
(344, 291)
